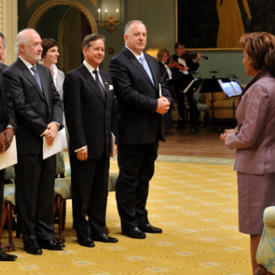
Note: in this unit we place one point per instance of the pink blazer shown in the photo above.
(255, 138)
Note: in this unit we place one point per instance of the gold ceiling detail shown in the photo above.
(33, 21)
(29, 3)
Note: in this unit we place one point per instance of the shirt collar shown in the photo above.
(28, 64)
(89, 67)
(135, 54)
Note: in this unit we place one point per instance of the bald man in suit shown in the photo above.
(37, 111)
(141, 104)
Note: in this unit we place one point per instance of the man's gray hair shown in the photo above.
(22, 38)
(130, 23)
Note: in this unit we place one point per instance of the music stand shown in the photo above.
(232, 89)
(193, 85)
(211, 85)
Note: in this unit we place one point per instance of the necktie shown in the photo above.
(37, 78)
(99, 84)
(146, 68)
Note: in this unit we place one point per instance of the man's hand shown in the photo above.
(8, 134)
(185, 68)
(163, 105)
(82, 154)
(2, 143)
(51, 132)
(6, 137)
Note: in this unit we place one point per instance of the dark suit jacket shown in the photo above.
(3, 109)
(3, 66)
(138, 122)
(32, 110)
(88, 116)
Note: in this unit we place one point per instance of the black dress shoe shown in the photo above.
(50, 245)
(102, 237)
(87, 242)
(62, 245)
(134, 232)
(34, 250)
(7, 257)
(149, 228)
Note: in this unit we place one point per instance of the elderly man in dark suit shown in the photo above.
(88, 103)
(6, 136)
(141, 105)
(37, 111)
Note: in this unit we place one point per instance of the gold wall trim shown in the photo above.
(214, 49)
(176, 20)
(8, 25)
(52, 3)
(94, 2)
(60, 39)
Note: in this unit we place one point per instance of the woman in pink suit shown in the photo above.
(254, 137)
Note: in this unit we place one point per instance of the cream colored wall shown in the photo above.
(8, 25)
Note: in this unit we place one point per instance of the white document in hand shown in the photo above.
(60, 143)
(9, 157)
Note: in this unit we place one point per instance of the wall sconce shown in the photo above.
(110, 22)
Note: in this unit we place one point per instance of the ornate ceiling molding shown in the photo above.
(29, 3)
(94, 2)
(33, 21)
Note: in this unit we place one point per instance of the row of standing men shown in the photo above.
(126, 101)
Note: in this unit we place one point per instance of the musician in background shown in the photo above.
(167, 79)
(184, 64)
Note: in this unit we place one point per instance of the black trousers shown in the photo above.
(34, 194)
(136, 168)
(89, 195)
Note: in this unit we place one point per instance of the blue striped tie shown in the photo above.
(146, 68)
(37, 78)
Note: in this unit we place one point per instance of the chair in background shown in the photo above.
(62, 192)
(266, 250)
(112, 182)
(8, 208)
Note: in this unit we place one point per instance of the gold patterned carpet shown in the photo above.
(193, 199)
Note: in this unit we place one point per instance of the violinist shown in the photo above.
(184, 65)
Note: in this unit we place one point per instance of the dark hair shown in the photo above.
(46, 44)
(179, 44)
(91, 37)
(3, 39)
(161, 52)
(260, 47)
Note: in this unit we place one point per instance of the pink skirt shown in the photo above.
(256, 192)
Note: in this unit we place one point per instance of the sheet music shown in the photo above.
(230, 88)
(160, 91)
(60, 143)
(9, 157)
